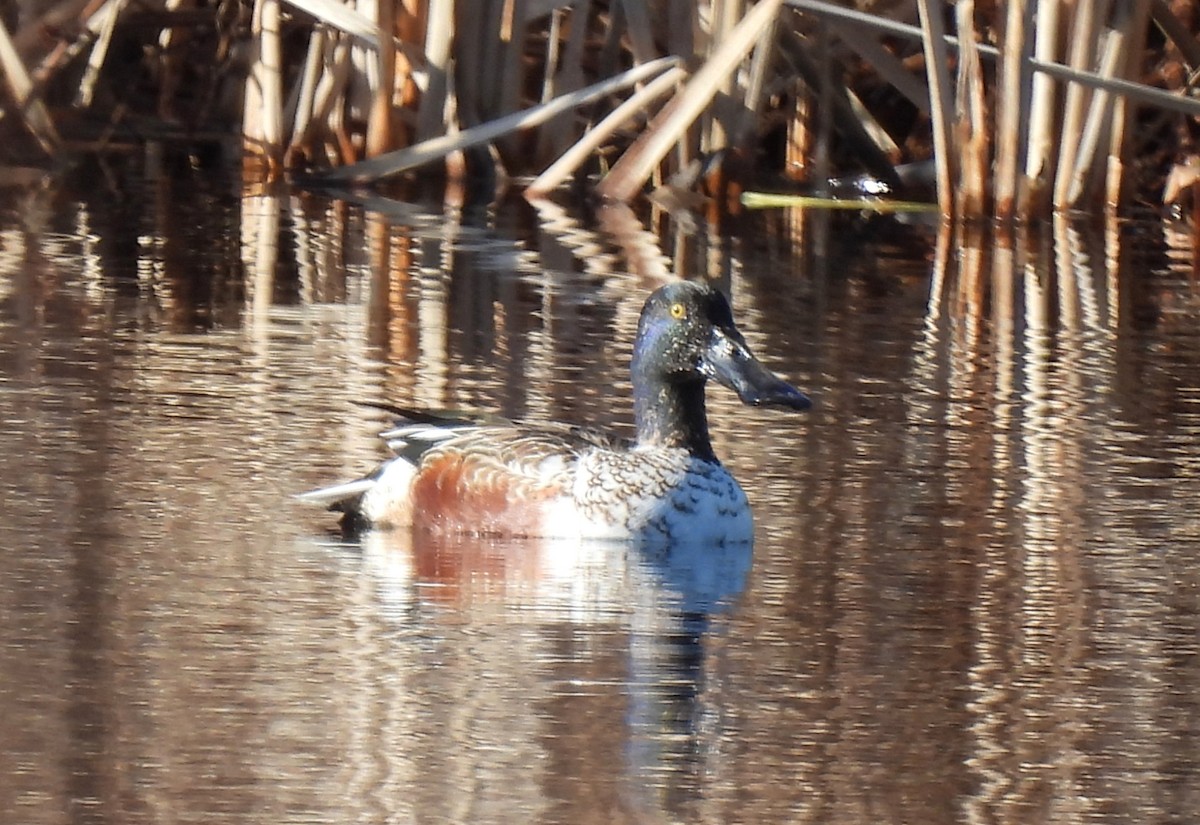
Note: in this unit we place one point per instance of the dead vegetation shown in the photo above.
(1017, 108)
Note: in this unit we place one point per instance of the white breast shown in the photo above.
(655, 495)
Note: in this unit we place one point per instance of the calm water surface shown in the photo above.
(973, 596)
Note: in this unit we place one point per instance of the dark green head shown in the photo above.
(686, 336)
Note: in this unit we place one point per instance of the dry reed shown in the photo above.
(625, 93)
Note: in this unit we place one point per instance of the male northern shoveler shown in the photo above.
(556, 480)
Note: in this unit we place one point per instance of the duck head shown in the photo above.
(686, 336)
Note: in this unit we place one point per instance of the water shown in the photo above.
(972, 598)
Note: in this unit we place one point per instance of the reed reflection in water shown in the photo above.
(973, 596)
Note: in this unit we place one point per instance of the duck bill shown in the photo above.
(729, 362)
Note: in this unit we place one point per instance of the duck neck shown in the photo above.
(672, 415)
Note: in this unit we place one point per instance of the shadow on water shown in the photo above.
(973, 595)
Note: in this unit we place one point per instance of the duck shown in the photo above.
(453, 474)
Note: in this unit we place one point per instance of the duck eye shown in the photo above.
(678, 311)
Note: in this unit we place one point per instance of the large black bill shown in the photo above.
(729, 362)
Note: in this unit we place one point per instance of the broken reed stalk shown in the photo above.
(941, 98)
(630, 173)
(262, 123)
(1011, 112)
(1039, 156)
(64, 15)
(1099, 116)
(825, 111)
(300, 116)
(1134, 31)
(867, 140)
(410, 28)
(557, 134)
(60, 55)
(1149, 95)
(170, 63)
(106, 21)
(724, 15)
(335, 56)
(1178, 33)
(971, 129)
(489, 40)
(404, 159)
(380, 137)
(798, 150)
(862, 41)
(594, 137)
(768, 200)
(1080, 54)
(745, 124)
(341, 18)
(20, 90)
(553, 48)
(1027, 127)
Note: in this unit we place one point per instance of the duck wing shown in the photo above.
(533, 450)
(476, 469)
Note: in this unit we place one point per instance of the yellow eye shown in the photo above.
(678, 310)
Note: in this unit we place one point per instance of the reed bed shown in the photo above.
(1014, 109)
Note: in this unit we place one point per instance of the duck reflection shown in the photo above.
(543, 667)
(674, 708)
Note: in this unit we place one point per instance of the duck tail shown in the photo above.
(337, 496)
(382, 499)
